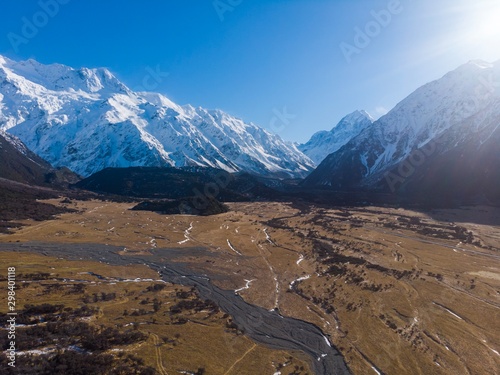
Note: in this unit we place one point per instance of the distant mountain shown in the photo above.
(439, 142)
(324, 143)
(87, 120)
(19, 164)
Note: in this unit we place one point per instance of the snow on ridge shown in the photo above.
(324, 143)
(14, 141)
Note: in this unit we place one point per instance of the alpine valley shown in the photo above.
(191, 242)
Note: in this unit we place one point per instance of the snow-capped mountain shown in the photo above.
(455, 115)
(87, 120)
(324, 143)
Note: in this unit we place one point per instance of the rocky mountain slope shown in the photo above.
(19, 164)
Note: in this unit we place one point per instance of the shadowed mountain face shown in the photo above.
(468, 173)
(25, 179)
(438, 145)
(21, 165)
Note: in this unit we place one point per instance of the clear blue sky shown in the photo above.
(252, 58)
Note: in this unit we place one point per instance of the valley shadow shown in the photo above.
(436, 207)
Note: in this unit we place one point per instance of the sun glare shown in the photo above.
(485, 25)
(478, 31)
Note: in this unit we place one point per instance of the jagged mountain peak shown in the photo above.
(58, 77)
(159, 101)
(353, 118)
(481, 64)
(434, 107)
(325, 142)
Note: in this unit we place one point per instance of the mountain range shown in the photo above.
(440, 141)
(87, 120)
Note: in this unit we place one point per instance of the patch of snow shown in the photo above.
(232, 248)
(247, 286)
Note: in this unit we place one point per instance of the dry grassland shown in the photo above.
(397, 291)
